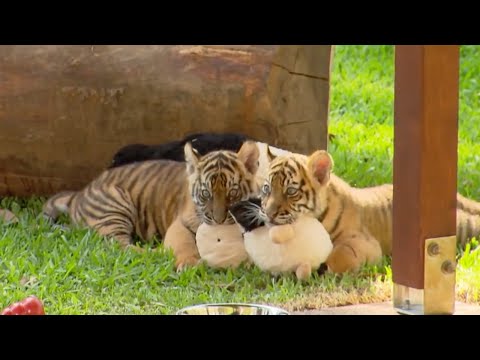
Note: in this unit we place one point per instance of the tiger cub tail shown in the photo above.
(57, 204)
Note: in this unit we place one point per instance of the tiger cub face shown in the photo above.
(219, 179)
(296, 184)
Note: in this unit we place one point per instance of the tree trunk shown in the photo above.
(65, 110)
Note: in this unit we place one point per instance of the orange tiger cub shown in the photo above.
(162, 197)
(359, 220)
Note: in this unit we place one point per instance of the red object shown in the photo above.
(28, 306)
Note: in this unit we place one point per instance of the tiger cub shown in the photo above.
(359, 220)
(162, 197)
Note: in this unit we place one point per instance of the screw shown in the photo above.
(433, 249)
(448, 267)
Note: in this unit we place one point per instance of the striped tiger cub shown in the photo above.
(163, 197)
(359, 220)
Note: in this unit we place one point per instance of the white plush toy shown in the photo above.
(301, 247)
(221, 246)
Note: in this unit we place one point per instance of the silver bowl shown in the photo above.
(231, 309)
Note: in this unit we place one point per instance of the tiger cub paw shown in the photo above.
(280, 234)
(183, 263)
(343, 258)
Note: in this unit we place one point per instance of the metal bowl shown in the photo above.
(231, 309)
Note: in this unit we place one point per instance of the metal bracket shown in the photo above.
(438, 295)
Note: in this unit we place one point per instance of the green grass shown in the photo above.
(468, 276)
(75, 272)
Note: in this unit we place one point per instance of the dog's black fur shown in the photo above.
(246, 214)
(204, 143)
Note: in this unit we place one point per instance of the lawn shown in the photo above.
(75, 272)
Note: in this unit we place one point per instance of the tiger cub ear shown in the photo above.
(249, 155)
(270, 155)
(320, 164)
(192, 158)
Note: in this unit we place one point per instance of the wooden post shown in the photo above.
(425, 178)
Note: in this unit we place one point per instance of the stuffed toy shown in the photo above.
(221, 246)
(301, 247)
